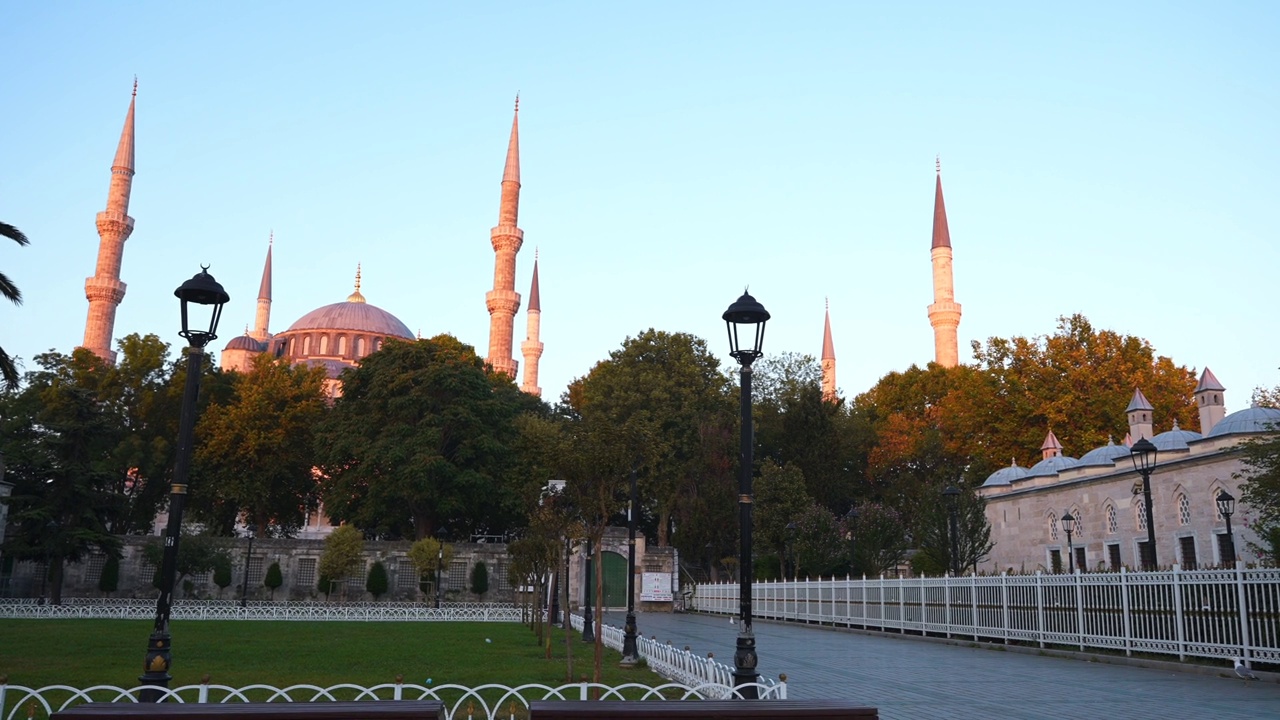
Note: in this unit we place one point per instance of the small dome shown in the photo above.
(1106, 455)
(1006, 476)
(357, 316)
(244, 342)
(1253, 420)
(1052, 466)
(1175, 439)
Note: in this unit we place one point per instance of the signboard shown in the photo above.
(656, 587)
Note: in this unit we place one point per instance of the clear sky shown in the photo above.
(1112, 159)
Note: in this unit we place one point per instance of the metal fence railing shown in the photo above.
(1222, 613)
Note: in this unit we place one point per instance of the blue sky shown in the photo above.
(1111, 159)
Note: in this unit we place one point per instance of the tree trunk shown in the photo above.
(568, 626)
(55, 582)
(599, 618)
(664, 521)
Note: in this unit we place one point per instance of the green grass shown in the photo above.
(81, 653)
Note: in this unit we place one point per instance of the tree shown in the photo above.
(422, 439)
(780, 499)
(376, 582)
(274, 579)
(198, 553)
(879, 539)
(1260, 488)
(256, 455)
(429, 556)
(343, 553)
(819, 547)
(109, 581)
(933, 535)
(222, 572)
(8, 369)
(479, 579)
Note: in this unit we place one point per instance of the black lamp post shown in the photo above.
(630, 654)
(51, 529)
(748, 313)
(789, 555)
(200, 290)
(1227, 508)
(951, 494)
(851, 519)
(588, 616)
(1069, 526)
(1143, 453)
(248, 556)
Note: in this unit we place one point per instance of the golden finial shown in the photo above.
(357, 277)
(517, 101)
(937, 159)
(356, 297)
(828, 301)
(135, 86)
(271, 238)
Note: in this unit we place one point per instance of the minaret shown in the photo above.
(1209, 397)
(1140, 420)
(531, 348)
(828, 361)
(503, 301)
(263, 317)
(104, 290)
(944, 313)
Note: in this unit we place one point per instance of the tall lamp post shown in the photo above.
(439, 567)
(951, 494)
(1069, 526)
(749, 316)
(1143, 453)
(248, 557)
(630, 655)
(851, 519)
(588, 616)
(199, 290)
(1227, 508)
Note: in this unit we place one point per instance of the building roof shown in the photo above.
(1006, 475)
(941, 233)
(353, 316)
(1139, 402)
(124, 151)
(1052, 466)
(244, 342)
(1252, 420)
(1105, 455)
(828, 347)
(1208, 382)
(1175, 439)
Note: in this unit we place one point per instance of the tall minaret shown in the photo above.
(503, 301)
(944, 313)
(104, 290)
(828, 361)
(263, 317)
(531, 348)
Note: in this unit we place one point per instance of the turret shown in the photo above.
(1140, 417)
(1050, 447)
(1210, 401)
(503, 301)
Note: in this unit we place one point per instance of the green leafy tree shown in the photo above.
(10, 292)
(109, 581)
(198, 554)
(222, 572)
(376, 582)
(780, 500)
(479, 579)
(933, 535)
(1260, 489)
(819, 547)
(343, 553)
(256, 454)
(274, 579)
(879, 539)
(422, 438)
(429, 556)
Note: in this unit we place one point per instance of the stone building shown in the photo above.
(1102, 490)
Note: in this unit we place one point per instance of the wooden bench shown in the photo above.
(698, 709)
(337, 710)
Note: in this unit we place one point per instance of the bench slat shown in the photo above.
(343, 710)
(701, 709)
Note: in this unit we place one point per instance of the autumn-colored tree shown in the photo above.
(255, 459)
(429, 556)
(343, 553)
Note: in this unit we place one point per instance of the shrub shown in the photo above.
(222, 572)
(376, 582)
(480, 579)
(110, 580)
(274, 579)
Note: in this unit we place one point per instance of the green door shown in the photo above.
(615, 580)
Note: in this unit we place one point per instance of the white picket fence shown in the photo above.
(311, 611)
(1220, 613)
(485, 702)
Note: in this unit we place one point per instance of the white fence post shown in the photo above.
(1124, 610)
(1040, 629)
(1243, 599)
(1079, 582)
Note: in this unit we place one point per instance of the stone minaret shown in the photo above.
(503, 301)
(104, 290)
(944, 313)
(262, 319)
(1140, 420)
(1209, 397)
(531, 348)
(828, 361)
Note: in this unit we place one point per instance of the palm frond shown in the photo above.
(9, 291)
(13, 233)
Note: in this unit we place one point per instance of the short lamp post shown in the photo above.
(1143, 453)
(201, 289)
(745, 316)
(248, 558)
(630, 653)
(1227, 508)
(952, 494)
(1069, 527)
(850, 520)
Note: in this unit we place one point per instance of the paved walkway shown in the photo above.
(909, 678)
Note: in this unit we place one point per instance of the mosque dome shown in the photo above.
(1052, 466)
(1006, 475)
(1253, 420)
(355, 317)
(1106, 455)
(1175, 439)
(244, 342)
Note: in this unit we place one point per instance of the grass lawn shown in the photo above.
(81, 653)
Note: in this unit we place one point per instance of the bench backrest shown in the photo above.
(700, 709)
(339, 710)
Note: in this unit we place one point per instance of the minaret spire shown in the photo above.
(944, 313)
(531, 348)
(104, 290)
(263, 317)
(828, 360)
(503, 301)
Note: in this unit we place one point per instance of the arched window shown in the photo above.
(1053, 527)
(377, 344)
(1184, 509)
(359, 347)
(1140, 508)
(324, 344)
(1079, 516)
(306, 345)
(1111, 519)
(342, 344)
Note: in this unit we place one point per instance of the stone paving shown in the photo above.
(908, 678)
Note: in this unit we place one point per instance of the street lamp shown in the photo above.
(588, 617)
(851, 519)
(1069, 526)
(751, 316)
(951, 494)
(439, 566)
(201, 289)
(1227, 508)
(789, 554)
(631, 655)
(51, 531)
(248, 556)
(1143, 453)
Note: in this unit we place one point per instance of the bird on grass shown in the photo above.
(1243, 672)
